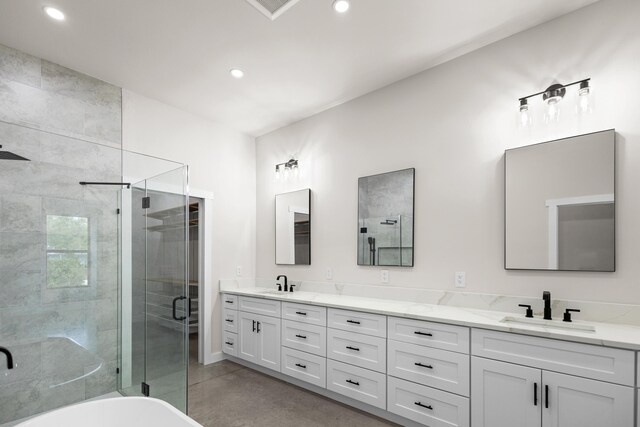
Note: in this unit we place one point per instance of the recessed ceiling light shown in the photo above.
(237, 73)
(54, 13)
(341, 6)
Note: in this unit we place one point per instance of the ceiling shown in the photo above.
(307, 60)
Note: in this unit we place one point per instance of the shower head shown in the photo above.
(7, 155)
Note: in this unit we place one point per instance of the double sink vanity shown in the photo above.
(433, 365)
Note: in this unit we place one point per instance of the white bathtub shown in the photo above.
(115, 412)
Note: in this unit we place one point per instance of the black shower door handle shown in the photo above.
(174, 308)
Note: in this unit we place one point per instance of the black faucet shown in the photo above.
(9, 357)
(546, 296)
(286, 287)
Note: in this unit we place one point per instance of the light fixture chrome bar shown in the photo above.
(560, 86)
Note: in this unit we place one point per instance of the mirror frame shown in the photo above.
(413, 219)
(275, 226)
(615, 211)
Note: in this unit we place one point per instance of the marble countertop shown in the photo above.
(606, 334)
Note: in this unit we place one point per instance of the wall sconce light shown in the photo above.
(552, 96)
(286, 169)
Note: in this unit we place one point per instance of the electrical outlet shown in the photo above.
(460, 279)
(328, 275)
(238, 270)
(384, 276)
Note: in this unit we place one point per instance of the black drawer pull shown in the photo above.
(426, 334)
(301, 366)
(353, 382)
(423, 365)
(535, 394)
(229, 343)
(228, 320)
(258, 329)
(301, 336)
(546, 397)
(254, 326)
(301, 313)
(429, 407)
(355, 322)
(352, 348)
(228, 302)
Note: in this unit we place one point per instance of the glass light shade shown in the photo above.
(552, 114)
(585, 102)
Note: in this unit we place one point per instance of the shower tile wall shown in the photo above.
(64, 339)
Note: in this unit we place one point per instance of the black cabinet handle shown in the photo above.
(355, 322)
(228, 302)
(301, 336)
(429, 407)
(426, 334)
(228, 343)
(301, 366)
(353, 382)
(352, 348)
(535, 394)
(254, 326)
(546, 398)
(301, 313)
(423, 365)
(228, 320)
(258, 330)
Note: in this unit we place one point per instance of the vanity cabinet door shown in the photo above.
(505, 395)
(268, 339)
(579, 402)
(248, 349)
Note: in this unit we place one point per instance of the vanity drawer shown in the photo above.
(364, 323)
(357, 349)
(266, 307)
(437, 335)
(304, 366)
(304, 313)
(230, 320)
(584, 360)
(230, 301)
(229, 343)
(309, 338)
(426, 405)
(357, 383)
(429, 366)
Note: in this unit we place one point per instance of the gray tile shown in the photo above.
(70, 83)
(61, 355)
(103, 123)
(60, 295)
(61, 389)
(67, 151)
(19, 400)
(19, 66)
(20, 288)
(22, 251)
(27, 364)
(21, 213)
(19, 325)
(24, 104)
(20, 140)
(101, 380)
(101, 314)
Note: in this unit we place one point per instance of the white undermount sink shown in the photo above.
(555, 324)
(270, 291)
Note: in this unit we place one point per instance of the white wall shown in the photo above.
(221, 160)
(453, 123)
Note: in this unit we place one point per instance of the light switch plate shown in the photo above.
(384, 276)
(460, 280)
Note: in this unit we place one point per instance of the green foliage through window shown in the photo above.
(67, 251)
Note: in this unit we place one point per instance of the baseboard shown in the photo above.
(214, 357)
(381, 413)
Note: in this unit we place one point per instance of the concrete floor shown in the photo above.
(226, 394)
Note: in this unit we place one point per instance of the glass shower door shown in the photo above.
(159, 287)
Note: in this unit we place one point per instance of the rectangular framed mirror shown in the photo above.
(385, 219)
(560, 205)
(293, 228)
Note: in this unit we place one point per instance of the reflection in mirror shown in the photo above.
(560, 205)
(385, 219)
(293, 228)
